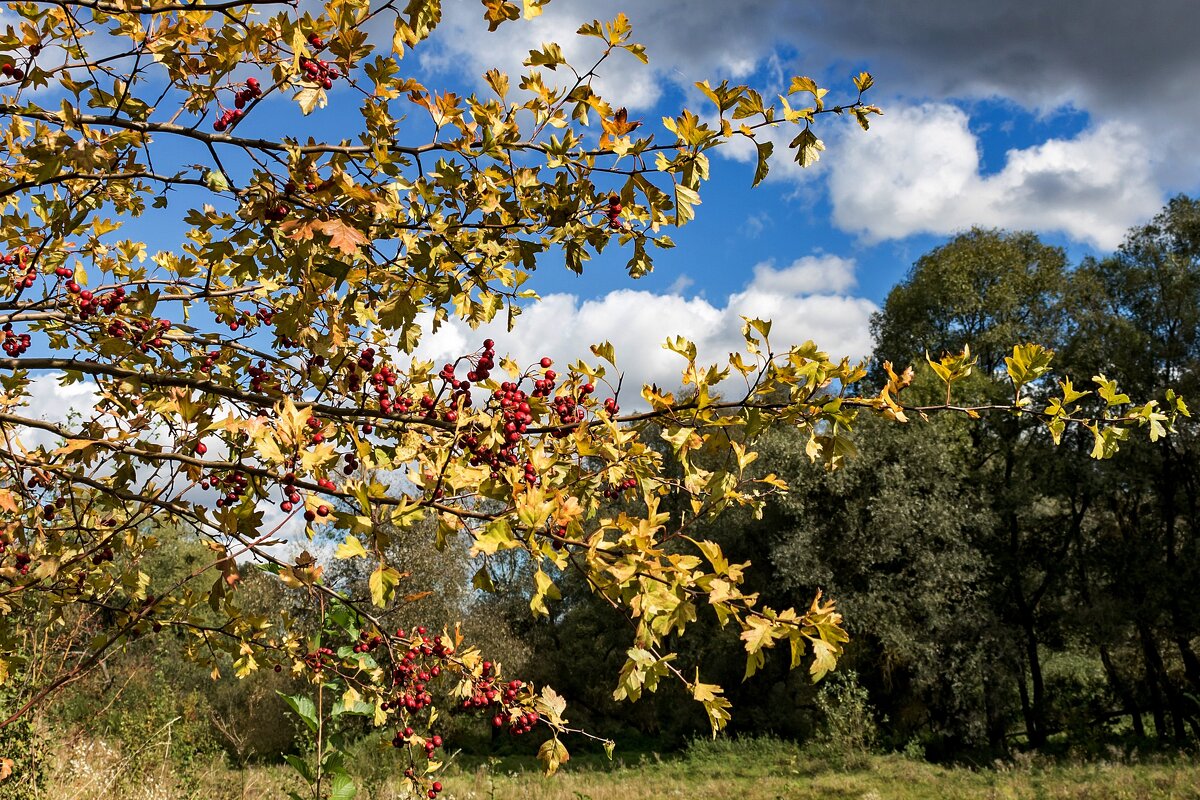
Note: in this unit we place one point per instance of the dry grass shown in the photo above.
(757, 770)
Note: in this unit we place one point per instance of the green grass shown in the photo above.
(760, 769)
(766, 770)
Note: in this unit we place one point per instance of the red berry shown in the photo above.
(201, 448)
(545, 362)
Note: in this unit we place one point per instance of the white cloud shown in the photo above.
(755, 224)
(680, 284)
(684, 45)
(805, 300)
(51, 401)
(806, 275)
(918, 171)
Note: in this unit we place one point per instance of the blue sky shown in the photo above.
(1045, 117)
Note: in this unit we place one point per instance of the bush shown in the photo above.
(850, 729)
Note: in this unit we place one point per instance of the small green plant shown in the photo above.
(850, 727)
(22, 751)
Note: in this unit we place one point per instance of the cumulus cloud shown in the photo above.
(807, 299)
(806, 275)
(52, 401)
(921, 174)
(1105, 58)
(687, 43)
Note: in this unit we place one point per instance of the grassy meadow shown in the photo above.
(761, 769)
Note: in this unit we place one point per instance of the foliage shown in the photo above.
(850, 729)
(22, 752)
(266, 360)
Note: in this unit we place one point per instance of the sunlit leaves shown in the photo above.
(306, 278)
(552, 754)
(1027, 363)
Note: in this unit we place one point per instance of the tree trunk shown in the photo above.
(1154, 674)
(1122, 690)
(1038, 683)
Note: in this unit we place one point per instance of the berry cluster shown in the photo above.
(11, 70)
(460, 395)
(50, 510)
(23, 560)
(367, 642)
(319, 71)
(26, 272)
(100, 556)
(420, 663)
(91, 304)
(570, 409)
(489, 695)
(144, 334)
(259, 377)
(210, 359)
(318, 429)
(319, 659)
(264, 314)
(231, 116)
(383, 382)
(15, 344)
(275, 213)
(291, 497)
(614, 492)
(512, 405)
(244, 96)
(614, 212)
(232, 485)
(309, 186)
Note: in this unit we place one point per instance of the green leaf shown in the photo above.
(1027, 363)
(1070, 395)
(1108, 391)
(382, 584)
(351, 548)
(303, 707)
(301, 766)
(342, 787)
